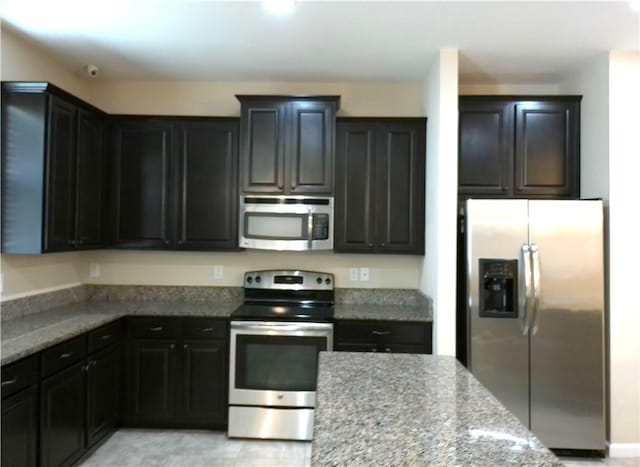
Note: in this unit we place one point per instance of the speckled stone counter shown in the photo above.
(413, 410)
(383, 312)
(29, 334)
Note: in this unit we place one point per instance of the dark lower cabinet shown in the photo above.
(380, 185)
(103, 393)
(203, 395)
(20, 429)
(62, 417)
(383, 336)
(151, 382)
(177, 381)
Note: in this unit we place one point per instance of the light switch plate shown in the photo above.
(94, 270)
(364, 274)
(353, 274)
(218, 272)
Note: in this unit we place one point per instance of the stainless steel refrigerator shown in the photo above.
(535, 291)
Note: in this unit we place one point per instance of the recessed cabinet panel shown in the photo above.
(354, 187)
(263, 147)
(142, 184)
(485, 152)
(546, 139)
(207, 185)
(103, 393)
(60, 169)
(20, 429)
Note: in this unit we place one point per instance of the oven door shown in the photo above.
(276, 364)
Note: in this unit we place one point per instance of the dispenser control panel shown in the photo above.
(498, 288)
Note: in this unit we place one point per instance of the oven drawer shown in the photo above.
(154, 328)
(204, 328)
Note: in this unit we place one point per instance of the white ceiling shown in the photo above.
(506, 42)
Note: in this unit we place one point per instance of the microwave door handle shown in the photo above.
(310, 229)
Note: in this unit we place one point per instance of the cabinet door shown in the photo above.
(354, 210)
(141, 184)
(20, 429)
(203, 399)
(103, 393)
(485, 148)
(150, 383)
(62, 417)
(263, 130)
(90, 182)
(400, 160)
(546, 153)
(311, 154)
(60, 183)
(207, 188)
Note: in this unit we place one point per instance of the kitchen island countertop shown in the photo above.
(418, 410)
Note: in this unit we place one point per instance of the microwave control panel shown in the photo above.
(320, 227)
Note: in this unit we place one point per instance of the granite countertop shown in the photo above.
(31, 333)
(401, 409)
(383, 312)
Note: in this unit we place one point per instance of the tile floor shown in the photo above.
(187, 448)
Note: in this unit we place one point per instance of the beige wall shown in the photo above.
(509, 89)
(218, 98)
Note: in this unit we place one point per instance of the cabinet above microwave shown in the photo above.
(287, 144)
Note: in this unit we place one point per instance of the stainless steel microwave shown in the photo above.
(294, 223)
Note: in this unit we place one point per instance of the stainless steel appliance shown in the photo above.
(286, 222)
(536, 312)
(276, 335)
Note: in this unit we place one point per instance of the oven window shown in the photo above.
(282, 226)
(277, 363)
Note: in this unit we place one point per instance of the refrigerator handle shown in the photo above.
(535, 272)
(525, 302)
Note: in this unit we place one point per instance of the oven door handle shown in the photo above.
(310, 229)
(279, 327)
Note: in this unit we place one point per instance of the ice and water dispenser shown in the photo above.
(498, 288)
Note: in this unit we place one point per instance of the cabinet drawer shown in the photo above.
(204, 328)
(153, 328)
(19, 375)
(384, 348)
(380, 331)
(62, 355)
(104, 336)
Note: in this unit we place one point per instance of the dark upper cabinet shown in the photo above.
(287, 144)
(20, 429)
(380, 170)
(206, 185)
(175, 183)
(91, 181)
(141, 157)
(53, 176)
(512, 146)
(62, 417)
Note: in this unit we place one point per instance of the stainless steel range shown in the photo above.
(286, 319)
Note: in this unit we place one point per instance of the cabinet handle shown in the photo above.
(10, 382)
(166, 242)
(383, 245)
(387, 349)
(72, 242)
(373, 349)
(381, 333)
(505, 187)
(94, 363)
(66, 355)
(186, 346)
(106, 336)
(370, 245)
(172, 346)
(180, 242)
(79, 242)
(207, 329)
(156, 329)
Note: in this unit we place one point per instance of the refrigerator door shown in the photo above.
(498, 352)
(567, 365)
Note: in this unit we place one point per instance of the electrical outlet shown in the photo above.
(1, 283)
(218, 271)
(94, 270)
(364, 274)
(353, 274)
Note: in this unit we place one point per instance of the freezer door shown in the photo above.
(567, 366)
(498, 352)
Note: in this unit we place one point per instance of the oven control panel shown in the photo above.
(288, 280)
